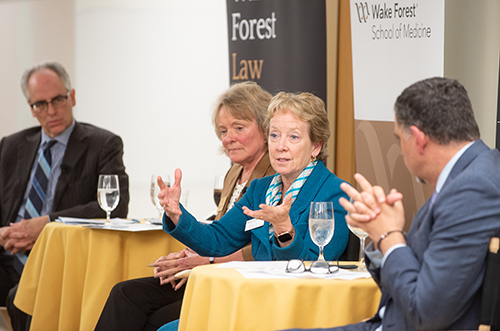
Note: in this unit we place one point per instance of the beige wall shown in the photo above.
(151, 72)
(471, 55)
(30, 32)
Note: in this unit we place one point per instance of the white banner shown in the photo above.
(394, 44)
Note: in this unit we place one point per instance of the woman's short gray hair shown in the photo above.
(308, 108)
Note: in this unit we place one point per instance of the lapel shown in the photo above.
(227, 190)
(308, 191)
(26, 154)
(77, 146)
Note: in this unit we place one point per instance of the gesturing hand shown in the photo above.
(278, 216)
(169, 196)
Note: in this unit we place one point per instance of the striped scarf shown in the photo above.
(274, 191)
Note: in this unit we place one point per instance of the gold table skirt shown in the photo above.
(71, 271)
(222, 299)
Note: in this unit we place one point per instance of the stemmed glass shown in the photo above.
(155, 190)
(361, 234)
(108, 194)
(218, 184)
(321, 227)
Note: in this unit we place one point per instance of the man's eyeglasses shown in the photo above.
(42, 106)
(317, 267)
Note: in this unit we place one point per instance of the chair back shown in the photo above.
(490, 305)
(351, 252)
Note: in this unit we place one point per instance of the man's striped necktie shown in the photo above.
(38, 190)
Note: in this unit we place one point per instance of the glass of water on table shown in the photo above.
(108, 194)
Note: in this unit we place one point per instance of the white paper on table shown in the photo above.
(276, 270)
(135, 227)
(73, 220)
(80, 221)
(159, 221)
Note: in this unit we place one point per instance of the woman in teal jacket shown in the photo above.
(297, 130)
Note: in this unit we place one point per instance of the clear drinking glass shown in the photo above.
(361, 234)
(155, 190)
(321, 226)
(218, 184)
(108, 193)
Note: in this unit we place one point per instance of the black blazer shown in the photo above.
(91, 151)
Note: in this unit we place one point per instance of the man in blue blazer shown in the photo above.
(80, 154)
(431, 278)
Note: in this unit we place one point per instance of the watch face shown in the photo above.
(285, 237)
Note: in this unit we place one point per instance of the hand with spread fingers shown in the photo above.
(278, 216)
(169, 197)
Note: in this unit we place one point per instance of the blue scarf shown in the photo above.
(275, 189)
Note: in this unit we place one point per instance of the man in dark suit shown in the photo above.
(431, 278)
(80, 153)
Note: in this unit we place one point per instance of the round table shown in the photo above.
(222, 299)
(71, 270)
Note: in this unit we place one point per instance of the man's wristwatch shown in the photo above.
(286, 236)
(211, 260)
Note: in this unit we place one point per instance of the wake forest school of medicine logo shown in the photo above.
(363, 11)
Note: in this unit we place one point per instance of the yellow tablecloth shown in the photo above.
(72, 269)
(222, 299)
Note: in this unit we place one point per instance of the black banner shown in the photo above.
(280, 44)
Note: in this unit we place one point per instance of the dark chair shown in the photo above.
(490, 305)
(351, 252)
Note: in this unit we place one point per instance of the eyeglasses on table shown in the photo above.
(316, 267)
